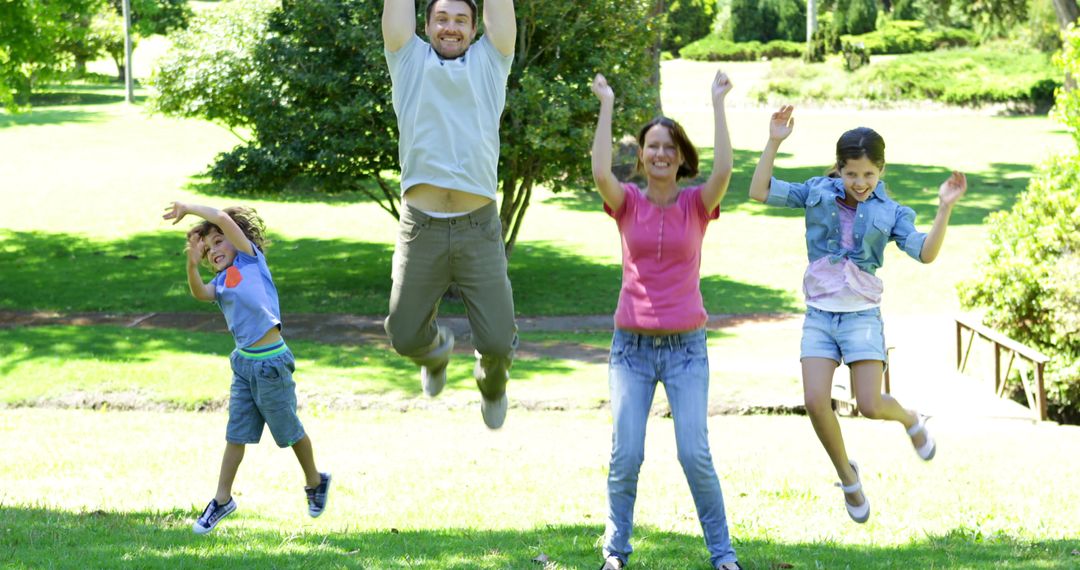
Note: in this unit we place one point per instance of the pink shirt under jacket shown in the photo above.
(661, 252)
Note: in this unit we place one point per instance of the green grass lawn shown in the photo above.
(435, 489)
(94, 175)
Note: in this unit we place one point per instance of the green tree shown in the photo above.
(687, 21)
(905, 10)
(747, 21)
(860, 16)
(150, 17)
(790, 20)
(31, 31)
(211, 73)
(313, 90)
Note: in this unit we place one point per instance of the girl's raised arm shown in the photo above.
(950, 192)
(780, 126)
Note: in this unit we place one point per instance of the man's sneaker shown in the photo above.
(613, 563)
(212, 515)
(494, 411)
(316, 496)
(434, 379)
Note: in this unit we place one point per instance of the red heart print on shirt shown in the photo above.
(233, 277)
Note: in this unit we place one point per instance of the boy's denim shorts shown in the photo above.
(843, 337)
(263, 392)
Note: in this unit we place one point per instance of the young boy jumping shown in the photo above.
(231, 242)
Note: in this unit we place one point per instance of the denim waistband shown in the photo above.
(475, 217)
(673, 340)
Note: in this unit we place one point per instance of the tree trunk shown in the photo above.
(654, 53)
(1067, 12)
(517, 189)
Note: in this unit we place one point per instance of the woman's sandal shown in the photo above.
(929, 447)
(860, 513)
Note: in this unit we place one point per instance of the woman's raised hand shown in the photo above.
(602, 90)
(721, 85)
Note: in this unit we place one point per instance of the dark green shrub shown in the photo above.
(905, 10)
(860, 17)
(1029, 281)
(687, 21)
(748, 22)
(790, 20)
(855, 56)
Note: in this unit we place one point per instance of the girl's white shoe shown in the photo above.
(860, 513)
(929, 447)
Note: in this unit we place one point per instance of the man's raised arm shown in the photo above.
(398, 23)
(500, 24)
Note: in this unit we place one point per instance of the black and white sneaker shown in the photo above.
(316, 496)
(212, 515)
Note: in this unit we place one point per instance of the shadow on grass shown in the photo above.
(36, 537)
(912, 185)
(145, 273)
(299, 191)
(552, 281)
(369, 367)
(74, 97)
(39, 117)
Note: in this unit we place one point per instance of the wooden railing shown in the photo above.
(1034, 389)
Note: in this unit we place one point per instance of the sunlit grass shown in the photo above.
(436, 489)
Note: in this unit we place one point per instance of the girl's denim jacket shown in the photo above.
(878, 221)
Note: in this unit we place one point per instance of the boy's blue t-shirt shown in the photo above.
(246, 294)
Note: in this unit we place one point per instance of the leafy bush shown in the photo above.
(687, 20)
(713, 48)
(900, 36)
(1029, 281)
(966, 76)
(855, 56)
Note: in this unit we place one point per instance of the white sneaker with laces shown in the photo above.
(212, 515)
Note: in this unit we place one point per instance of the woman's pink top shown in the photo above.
(661, 253)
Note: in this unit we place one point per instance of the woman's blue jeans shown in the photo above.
(681, 362)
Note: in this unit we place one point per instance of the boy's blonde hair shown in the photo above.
(249, 221)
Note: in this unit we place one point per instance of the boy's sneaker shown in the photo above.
(213, 514)
(316, 496)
